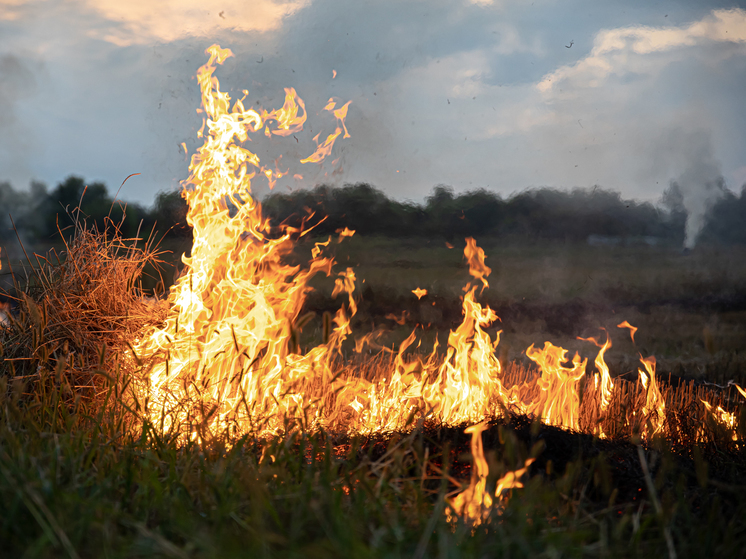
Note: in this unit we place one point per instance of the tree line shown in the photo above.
(534, 215)
(40, 214)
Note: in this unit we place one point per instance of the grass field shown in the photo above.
(690, 309)
(75, 482)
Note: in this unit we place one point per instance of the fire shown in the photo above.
(725, 418)
(420, 293)
(631, 328)
(654, 409)
(475, 503)
(227, 359)
(604, 386)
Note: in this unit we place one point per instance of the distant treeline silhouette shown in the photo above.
(580, 215)
(40, 214)
(533, 214)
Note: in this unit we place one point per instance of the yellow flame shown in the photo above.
(420, 293)
(475, 504)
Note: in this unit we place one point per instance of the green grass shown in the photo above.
(78, 487)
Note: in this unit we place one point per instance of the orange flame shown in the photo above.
(420, 293)
(632, 329)
(654, 409)
(606, 387)
(558, 399)
(725, 418)
(477, 267)
(474, 504)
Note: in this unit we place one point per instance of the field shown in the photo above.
(75, 482)
(690, 309)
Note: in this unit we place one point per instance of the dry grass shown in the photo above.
(78, 310)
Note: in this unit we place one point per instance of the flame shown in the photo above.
(740, 390)
(632, 329)
(606, 387)
(558, 400)
(224, 354)
(477, 267)
(420, 293)
(725, 418)
(654, 409)
(474, 504)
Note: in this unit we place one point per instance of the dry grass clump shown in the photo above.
(77, 311)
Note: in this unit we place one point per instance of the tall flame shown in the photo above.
(222, 356)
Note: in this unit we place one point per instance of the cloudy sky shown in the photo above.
(500, 94)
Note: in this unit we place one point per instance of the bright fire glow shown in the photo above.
(227, 359)
(475, 503)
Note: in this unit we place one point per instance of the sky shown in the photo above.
(496, 94)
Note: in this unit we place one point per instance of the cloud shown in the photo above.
(622, 51)
(441, 92)
(11, 10)
(146, 21)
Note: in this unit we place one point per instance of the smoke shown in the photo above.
(16, 83)
(699, 187)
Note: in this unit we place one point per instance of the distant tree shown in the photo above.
(726, 221)
(537, 214)
(71, 200)
(12, 203)
(168, 215)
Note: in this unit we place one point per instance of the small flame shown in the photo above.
(420, 293)
(654, 409)
(474, 504)
(740, 390)
(725, 418)
(606, 384)
(477, 267)
(632, 329)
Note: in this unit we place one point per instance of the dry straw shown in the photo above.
(77, 310)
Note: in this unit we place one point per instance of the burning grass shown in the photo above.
(77, 313)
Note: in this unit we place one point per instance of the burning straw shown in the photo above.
(77, 313)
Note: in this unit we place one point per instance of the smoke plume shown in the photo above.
(701, 185)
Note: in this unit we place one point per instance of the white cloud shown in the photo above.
(146, 21)
(623, 50)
